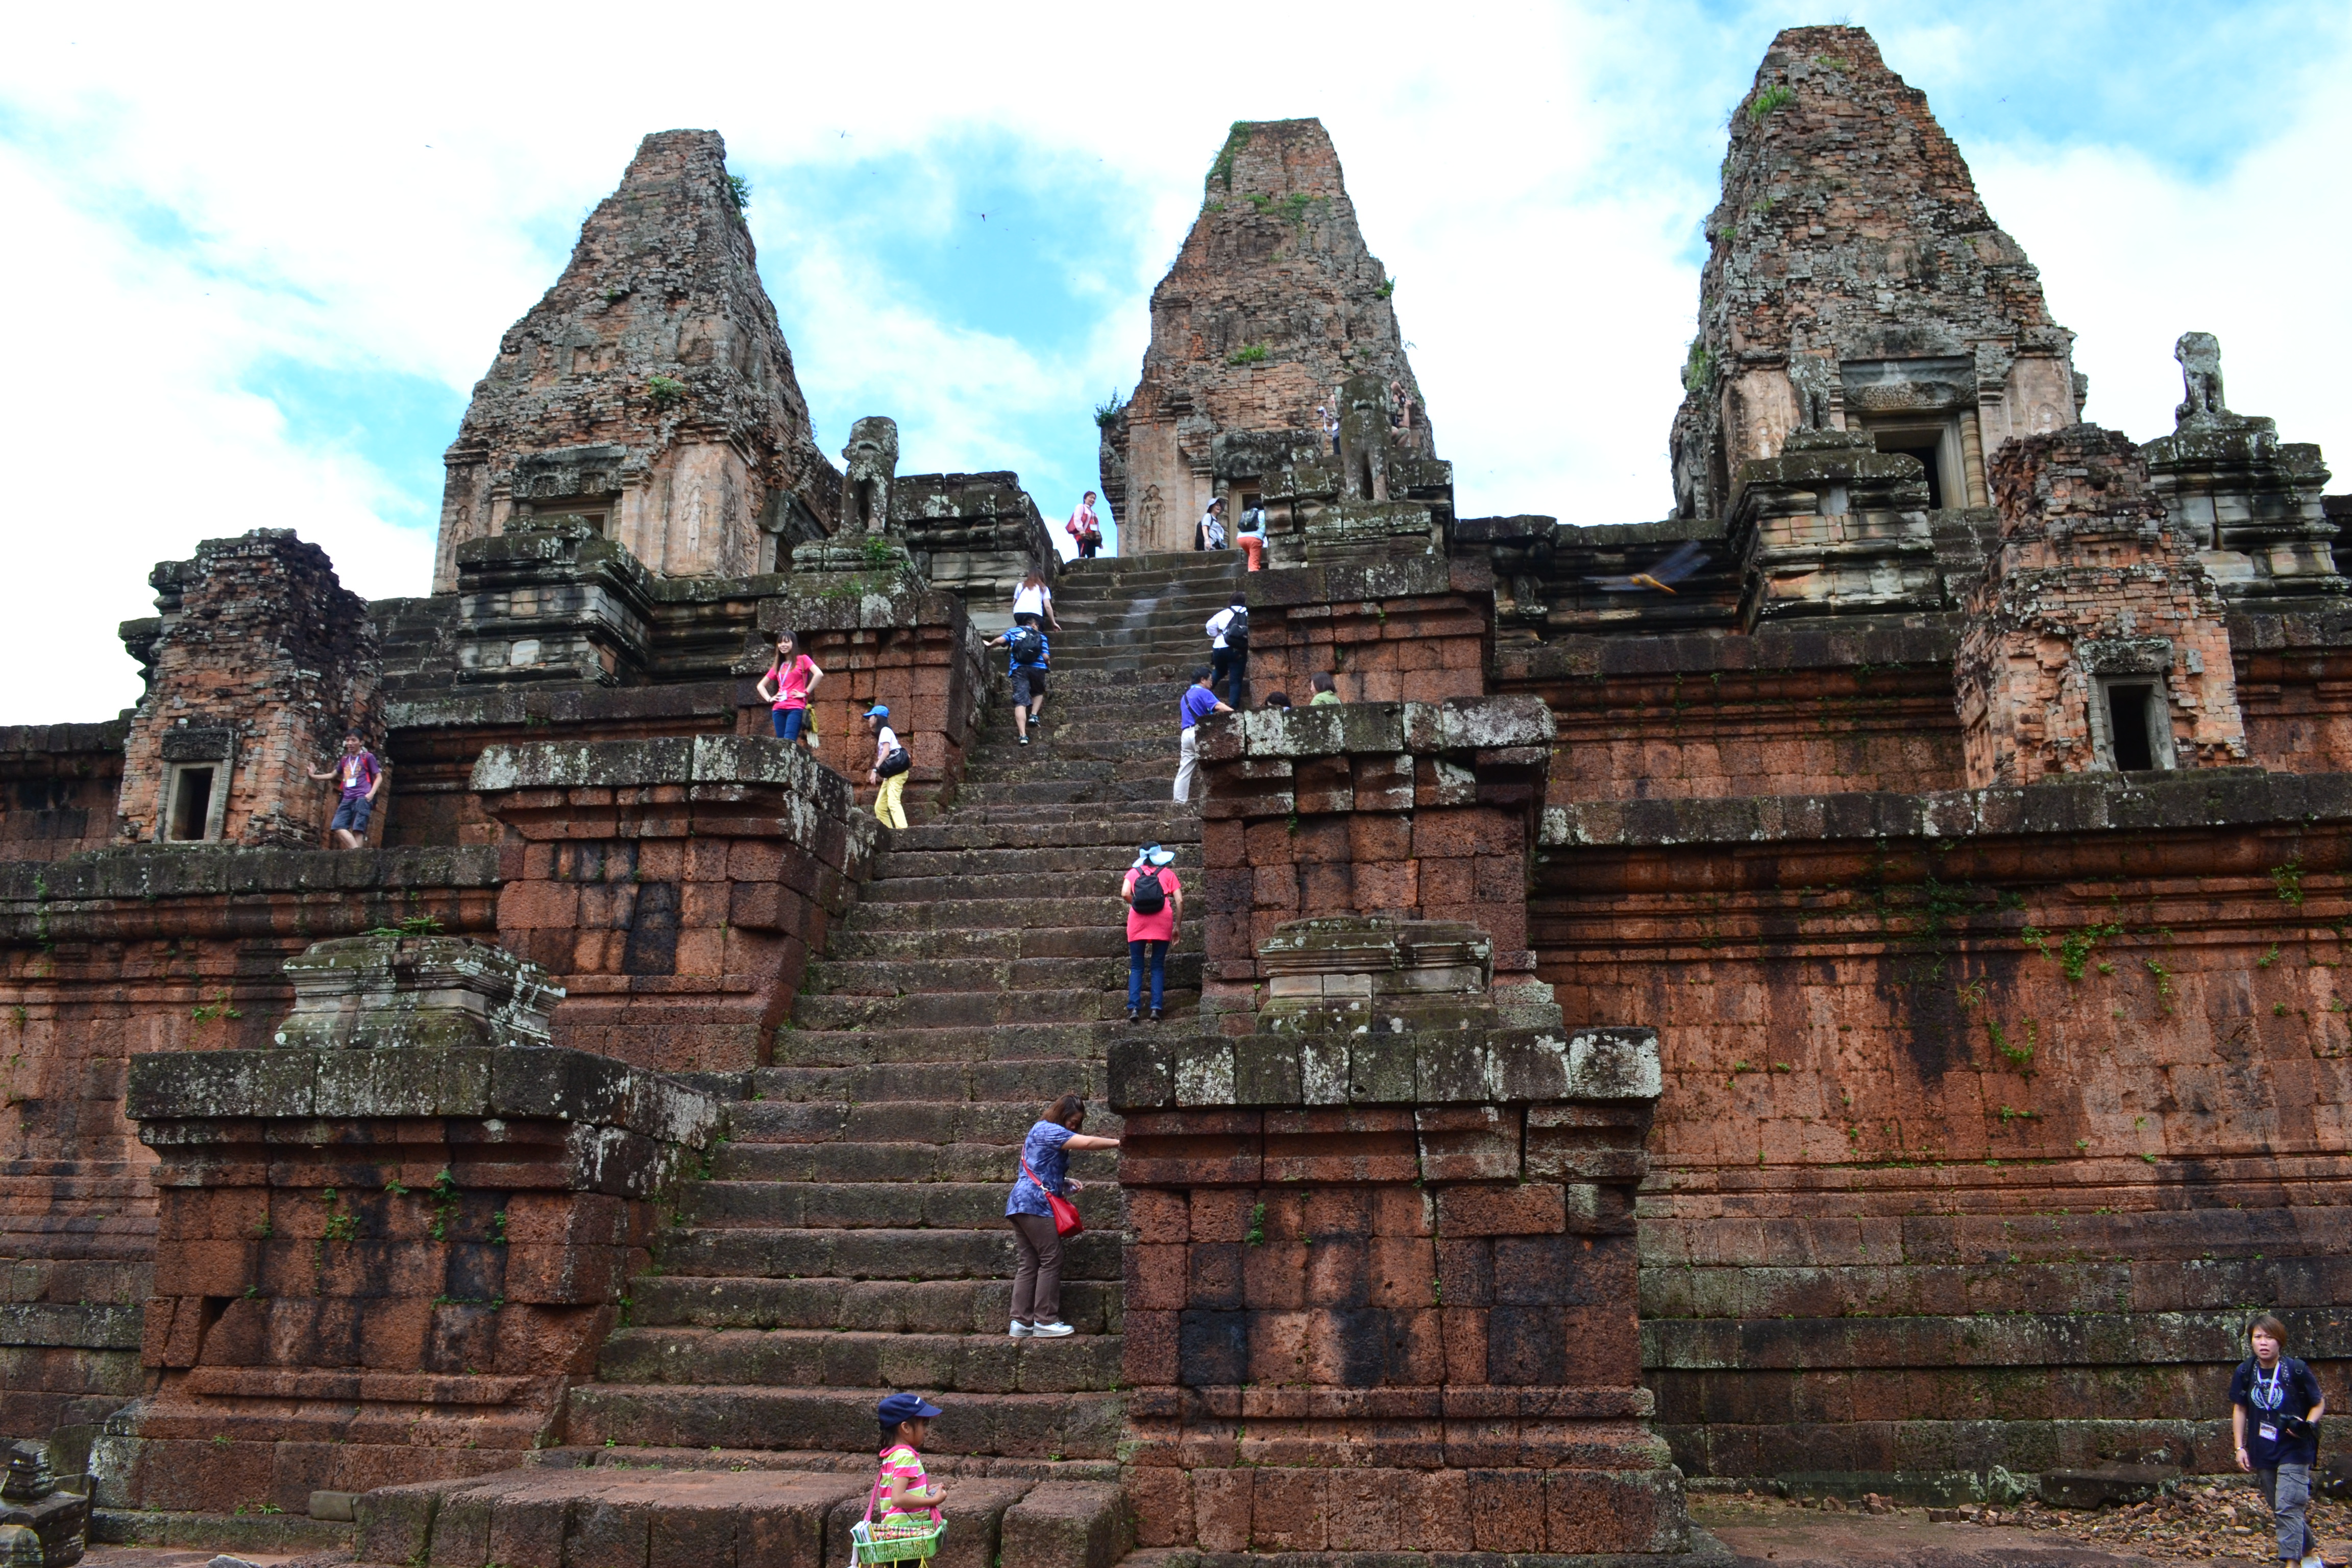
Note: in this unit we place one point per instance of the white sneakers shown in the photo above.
(1042, 1330)
(1020, 1331)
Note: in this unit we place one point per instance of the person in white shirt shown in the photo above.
(1229, 650)
(1211, 533)
(888, 807)
(1032, 603)
(1085, 527)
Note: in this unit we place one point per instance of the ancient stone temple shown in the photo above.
(1273, 305)
(1832, 991)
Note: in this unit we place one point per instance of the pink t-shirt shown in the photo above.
(1161, 927)
(792, 682)
(903, 1464)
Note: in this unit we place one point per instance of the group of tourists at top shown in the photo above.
(792, 679)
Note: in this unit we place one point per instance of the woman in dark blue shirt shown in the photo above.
(2274, 1410)
(1037, 1277)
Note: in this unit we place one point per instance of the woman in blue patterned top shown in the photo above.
(1037, 1277)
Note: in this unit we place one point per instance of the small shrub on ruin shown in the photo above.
(1387, 288)
(1770, 98)
(1107, 411)
(1251, 354)
(662, 391)
(739, 191)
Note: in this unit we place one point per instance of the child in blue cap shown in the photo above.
(906, 1491)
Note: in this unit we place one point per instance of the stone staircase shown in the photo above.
(849, 1240)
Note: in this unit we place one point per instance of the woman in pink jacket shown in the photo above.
(1085, 527)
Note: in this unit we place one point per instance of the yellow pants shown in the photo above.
(887, 809)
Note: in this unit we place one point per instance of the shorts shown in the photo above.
(789, 721)
(353, 814)
(1028, 684)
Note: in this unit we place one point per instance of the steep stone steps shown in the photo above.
(849, 1239)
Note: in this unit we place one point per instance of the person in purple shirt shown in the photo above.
(1045, 1161)
(1200, 701)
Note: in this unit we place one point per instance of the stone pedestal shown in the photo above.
(2252, 504)
(550, 599)
(1380, 1291)
(1418, 626)
(1831, 526)
(386, 1244)
(1412, 811)
(677, 887)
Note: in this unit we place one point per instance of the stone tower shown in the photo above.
(1856, 280)
(1273, 303)
(650, 392)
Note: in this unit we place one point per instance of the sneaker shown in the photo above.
(1025, 740)
(1052, 1331)
(1132, 1014)
(1020, 1330)
(1155, 1014)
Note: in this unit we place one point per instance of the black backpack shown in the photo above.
(1026, 643)
(1150, 898)
(897, 762)
(1237, 629)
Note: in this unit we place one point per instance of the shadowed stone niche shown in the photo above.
(388, 1242)
(1380, 1288)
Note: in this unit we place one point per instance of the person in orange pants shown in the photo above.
(1251, 537)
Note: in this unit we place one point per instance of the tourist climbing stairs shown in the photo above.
(849, 1240)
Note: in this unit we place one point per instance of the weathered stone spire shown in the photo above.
(1854, 278)
(651, 390)
(1273, 302)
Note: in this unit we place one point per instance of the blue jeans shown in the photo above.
(788, 722)
(1137, 953)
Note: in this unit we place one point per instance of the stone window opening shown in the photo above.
(1935, 443)
(2132, 725)
(194, 804)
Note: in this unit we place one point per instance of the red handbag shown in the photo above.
(1066, 1213)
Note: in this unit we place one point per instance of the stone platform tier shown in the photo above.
(849, 1241)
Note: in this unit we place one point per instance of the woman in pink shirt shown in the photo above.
(1155, 902)
(1085, 527)
(791, 676)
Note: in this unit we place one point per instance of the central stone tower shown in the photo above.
(1272, 304)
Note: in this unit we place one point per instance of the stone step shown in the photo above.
(871, 1306)
(942, 1010)
(745, 1253)
(985, 1362)
(882, 1122)
(1033, 1426)
(1046, 911)
(1038, 942)
(1109, 859)
(985, 976)
(963, 831)
(918, 1167)
(1036, 1082)
(1085, 1041)
(605, 1508)
(981, 888)
(874, 1201)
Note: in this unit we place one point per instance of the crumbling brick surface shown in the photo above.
(1272, 303)
(651, 386)
(263, 659)
(675, 889)
(58, 784)
(1936, 1056)
(2093, 580)
(1417, 629)
(1851, 234)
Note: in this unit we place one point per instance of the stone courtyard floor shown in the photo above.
(2223, 1524)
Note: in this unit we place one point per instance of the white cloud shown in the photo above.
(194, 196)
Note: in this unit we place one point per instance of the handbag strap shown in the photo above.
(1033, 1178)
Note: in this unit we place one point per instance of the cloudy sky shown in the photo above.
(259, 257)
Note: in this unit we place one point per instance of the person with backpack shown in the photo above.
(1037, 1229)
(1198, 702)
(1155, 903)
(1250, 534)
(1229, 647)
(791, 679)
(1210, 533)
(2275, 1405)
(1029, 653)
(891, 765)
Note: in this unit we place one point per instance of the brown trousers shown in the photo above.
(1037, 1277)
